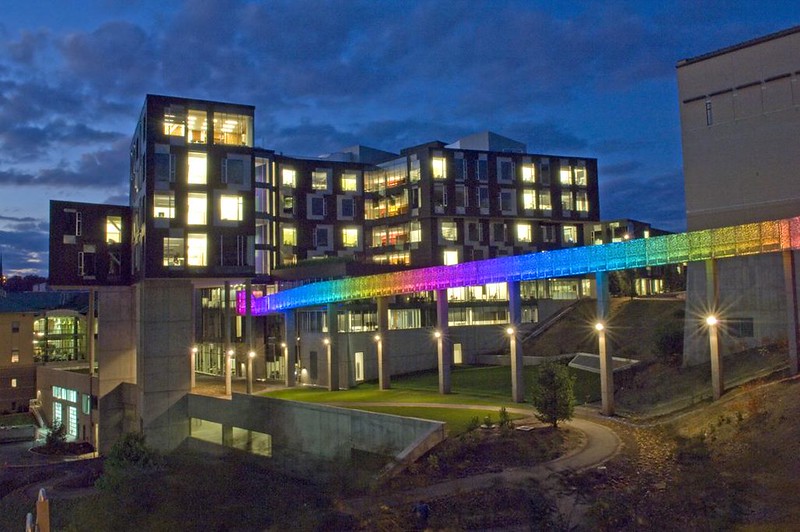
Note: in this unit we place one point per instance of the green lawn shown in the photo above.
(11, 420)
(458, 419)
(477, 385)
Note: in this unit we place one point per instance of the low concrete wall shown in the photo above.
(305, 435)
(505, 360)
(21, 433)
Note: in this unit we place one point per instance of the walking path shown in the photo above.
(600, 444)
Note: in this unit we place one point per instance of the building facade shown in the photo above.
(740, 130)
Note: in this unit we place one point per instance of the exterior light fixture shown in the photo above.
(230, 352)
(711, 320)
(194, 350)
(437, 334)
(251, 354)
(377, 337)
(283, 344)
(298, 338)
(599, 326)
(510, 331)
(326, 341)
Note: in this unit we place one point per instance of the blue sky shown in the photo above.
(593, 79)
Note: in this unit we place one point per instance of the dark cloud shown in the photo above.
(21, 142)
(30, 44)
(658, 199)
(620, 169)
(17, 219)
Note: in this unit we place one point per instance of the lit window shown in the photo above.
(196, 249)
(14, 356)
(197, 124)
(524, 233)
(565, 174)
(289, 236)
(528, 199)
(288, 177)
(449, 231)
(319, 180)
(113, 229)
(231, 208)
(349, 182)
(570, 234)
(288, 205)
(233, 129)
(13, 383)
(14, 326)
(173, 252)
(198, 207)
(580, 175)
(414, 173)
(350, 237)
(450, 257)
(174, 122)
(439, 167)
(415, 232)
(164, 205)
(528, 173)
(198, 169)
(581, 202)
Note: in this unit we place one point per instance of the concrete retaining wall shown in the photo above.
(306, 435)
(21, 433)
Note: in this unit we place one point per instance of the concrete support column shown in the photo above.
(384, 374)
(790, 284)
(194, 349)
(712, 303)
(289, 346)
(90, 327)
(515, 344)
(443, 344)
(332, 348)
(606, 356)
(248, 334)
(227, 436)
(228, 345)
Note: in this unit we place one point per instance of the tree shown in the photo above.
(552, 395)
(669, 340)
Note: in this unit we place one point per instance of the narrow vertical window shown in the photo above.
(709, 116)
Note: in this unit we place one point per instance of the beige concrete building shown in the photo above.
(740, 128)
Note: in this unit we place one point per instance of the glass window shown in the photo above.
(581, 201)
(288, 205)
(165, 167)
(289, 236)
(570, 234)
(233, 129)
(505, 170)
(348, 207)
(164, 205)
(439, 167)
(544, 200)
(197, 208)
(14, 326)
(317, 206)
(196, 249)
(197, 124)
(580, 174)
(14, 356)
(233, 171)
(528, 173)
(506, 200)
(319, 179)
(548, 233)
(349, 182)
(415, 232)
(459, 168)
(173, 251)
(483, 197)
(288, 177)
(528, 199)
(350, 237)
(439, 196)
(566, 202)
(414, 174)
(524, 232)
(262, 170)
(231, 208)
(321, 237)
(565, 173)
(449, 231)
(198, 169)
(498, 232)
(175, 121)
(483, 169)
(474, 231)
(450, 257)
(113, 229)
(461, 196)
(261, 200)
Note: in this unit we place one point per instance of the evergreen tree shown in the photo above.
(552, 395)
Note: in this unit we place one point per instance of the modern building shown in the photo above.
(37, 328)
(740, 129)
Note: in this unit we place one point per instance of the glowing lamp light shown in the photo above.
(251, 354)
(326, 341)
(711, 320)
(599, 326)
(377, 338)
(437, 334)
(194, 350)
(510, 331)
(230, 352)
(283, 344)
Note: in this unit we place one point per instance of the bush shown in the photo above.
(56, 440)
(553, 394)
(669, 343)
(132, 451)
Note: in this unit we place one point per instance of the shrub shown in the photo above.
(669, 343)
(56, 440)
(553, 395)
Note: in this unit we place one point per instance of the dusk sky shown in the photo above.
(590, 79)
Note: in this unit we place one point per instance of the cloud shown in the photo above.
(658, 199)
(620, 169)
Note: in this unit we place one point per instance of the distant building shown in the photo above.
(740, 128)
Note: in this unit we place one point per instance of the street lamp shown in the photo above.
(716, 360)
(606, 371)
(250, 356)
(437, 334)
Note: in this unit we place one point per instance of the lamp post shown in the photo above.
(193, 365)
(250, 356)
(716, 361)
(606, 371)
(285, 353)
(228, 365)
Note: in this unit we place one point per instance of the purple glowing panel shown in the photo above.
(748, 239)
